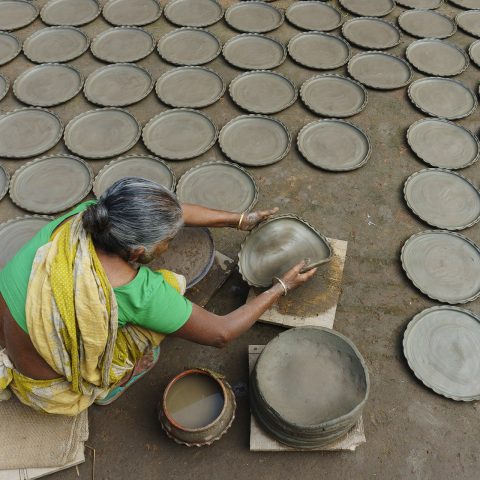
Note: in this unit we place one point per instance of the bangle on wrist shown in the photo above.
(242, 216)
(282, 283)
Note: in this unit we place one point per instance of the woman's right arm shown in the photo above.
(208, 328)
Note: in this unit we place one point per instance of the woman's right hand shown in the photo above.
(294, 278)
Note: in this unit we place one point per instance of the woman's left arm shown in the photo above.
(198, 216)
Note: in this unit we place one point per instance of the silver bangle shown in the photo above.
(282, 283)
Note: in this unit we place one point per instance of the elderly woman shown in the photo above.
(79, 322)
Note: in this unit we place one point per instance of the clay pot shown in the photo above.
(209, 433)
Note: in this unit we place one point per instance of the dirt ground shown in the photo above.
(411, 432)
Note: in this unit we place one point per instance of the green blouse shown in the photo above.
(147, 301)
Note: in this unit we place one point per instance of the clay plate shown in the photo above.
(441, 345)
(189, 46)
(263, 91)
(10, 47)
(436, 57)
(458, 101)
(190, 87)
(422, 4)
(474, 52)
(426, 24)
(102, 133)
(15, 14)
(318, 16)
(70, 12)
(251, 51)
(469, 21)
(255, 140)
(55, 44)
(443, 199)
(254, 17)
(467, 4)
(179, 134)
(190, 253)
(4, 181)
(51, 184)
(334, 96)
(143, 166)
(118, 85)
(371, 8)
(4, 86)
(218, 185)
(193, 13)
(334, 145)
(15, 233)
(48, 84)
(28, 132)
(443, 265)
(372, 33)
(380, 70)
(126, 12)
(318, 50)
(276, 245)
(443, 144)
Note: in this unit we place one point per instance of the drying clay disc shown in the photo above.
(372, 33)
(70, 12)
(143, 166)
(443, 199)
(421, 4)
(51, 184)
(218, 185)
(318, 16)
(263, 91)
(47, 85)
(254, 17)
(126, 12)
(334, 145)
(443, 144)
(102, 133)
(251, 51)
(118, 85)
(334, 96)
(56, 44)
(179, 134)
(458, 101)
(318, 50)
(4, 86)
(15, 14)
(190, 87)
(193, 13)
(4, 181)
(255, 140)
(10, 47)
(426, 24)
(28, 132)
(469, 21)
(370, 8)
(189, 46)
(467, 4)
(443, 265)
(474, 52)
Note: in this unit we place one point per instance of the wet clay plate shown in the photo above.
(443, 199)
(371, 8)
(278, 244)
(317, 16)
(47, 85)
(443, 144)
(467, 4)
(70, 12)
(193, 13)
(179, 134)
(126, 12)
(56, 44)
(426, 24)
(190, 253)
(15, 14)
(334, 145)
(251, 51)
(255, 140)
(372, 33)
(441, 345)
(10, 47)
(474, 52)
(469, 22)
(443, 265)
(263, 92)
(422, 4)
(189, 46)
(143, 166)
(254, 17)
(190, 87)
(28, 132)
(218, 185)
(51, 184)
(102, 133)
(458, 101)
(4, 86)
(4, 181)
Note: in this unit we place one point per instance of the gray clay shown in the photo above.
(10, 47)
(469, 21)
(15, 14)
(126, 12)
(70, 12)
(193, 13)
(426, 24)
(372, 8)
(371, 33)
(317, 16)
(474, 52)
(254, 17)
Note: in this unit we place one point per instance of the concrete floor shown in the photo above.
(411, 432)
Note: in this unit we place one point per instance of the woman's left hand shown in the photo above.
(252, 219)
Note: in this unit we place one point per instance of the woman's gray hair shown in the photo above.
(133, 213)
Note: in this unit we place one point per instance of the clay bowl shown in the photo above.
(215, 404)
(309, 387)
(275, 246)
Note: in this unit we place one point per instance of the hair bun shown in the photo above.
(96, 218)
